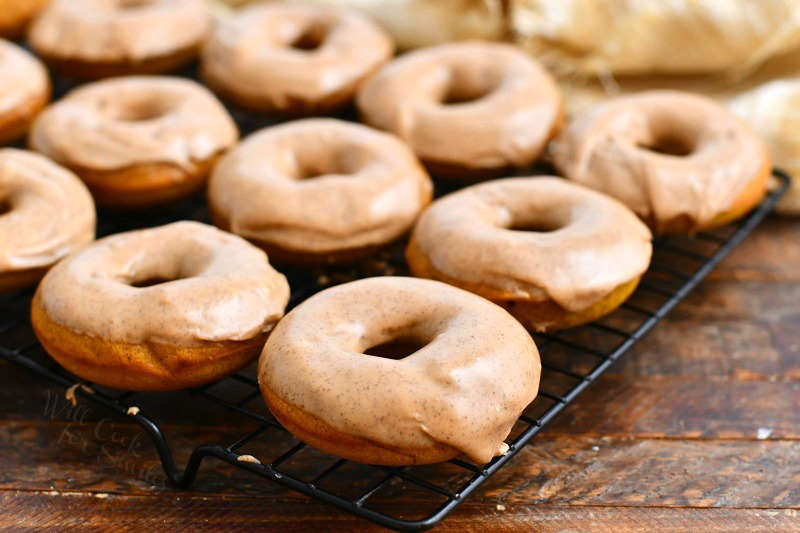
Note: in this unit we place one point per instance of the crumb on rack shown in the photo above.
(248, 459)
(133, 410)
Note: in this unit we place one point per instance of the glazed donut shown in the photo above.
(100, 38)
(318, 190)
(293, 58)
(16, 14)
(682, 162)
(473, 371)
(136, 141)
(26, 90)
(188, 305)
(553, 253)
(468, 110)
(45, 213)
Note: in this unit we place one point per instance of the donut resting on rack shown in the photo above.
(555, 254)
(166, 308)
(471, 372)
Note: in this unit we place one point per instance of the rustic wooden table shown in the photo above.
(702, 435)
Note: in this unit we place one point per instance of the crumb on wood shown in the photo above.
(70, 393)
(101, 495)
(501, 507)
(248, 459)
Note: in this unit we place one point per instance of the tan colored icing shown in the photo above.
(50, 211)
(465, 388)
(121, 122)
(319, 185)
(119, 30)
(595, 243)
(251, 54)
(606, 149)
(222, 288)
(509, 123)
(22, 78)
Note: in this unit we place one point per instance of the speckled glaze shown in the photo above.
(221, 287)
(516, 111)
(119, 30)
(121, 122)
(51, 212)
(607, 149)
(465, 388)
(251, 55)
(23, 77)
(590, 244)
(319, 185)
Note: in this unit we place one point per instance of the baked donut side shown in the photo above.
(149, 366)
(317, 191)
(682, 162)
(137, 141)
(26, 91)
(92, 39)
(554, 254)
(472, 371)
(468, 110)
(45, 214)
(15, 16)
(191, 305)
(293, 59)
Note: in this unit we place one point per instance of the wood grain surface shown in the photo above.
(697, 429)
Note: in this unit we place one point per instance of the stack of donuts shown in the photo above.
(188, 303)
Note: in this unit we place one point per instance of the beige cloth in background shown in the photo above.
(598, 37)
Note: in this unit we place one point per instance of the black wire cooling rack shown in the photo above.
(571, 361)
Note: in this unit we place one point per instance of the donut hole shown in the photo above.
(457, 94)
(150, 282)
(669, 144)
(143, 109)
(395, 349)
(310, 39)
(465, 84)
(541, 222)
(537, 226)
(345, 161)
(310, 172)
(134, 4)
